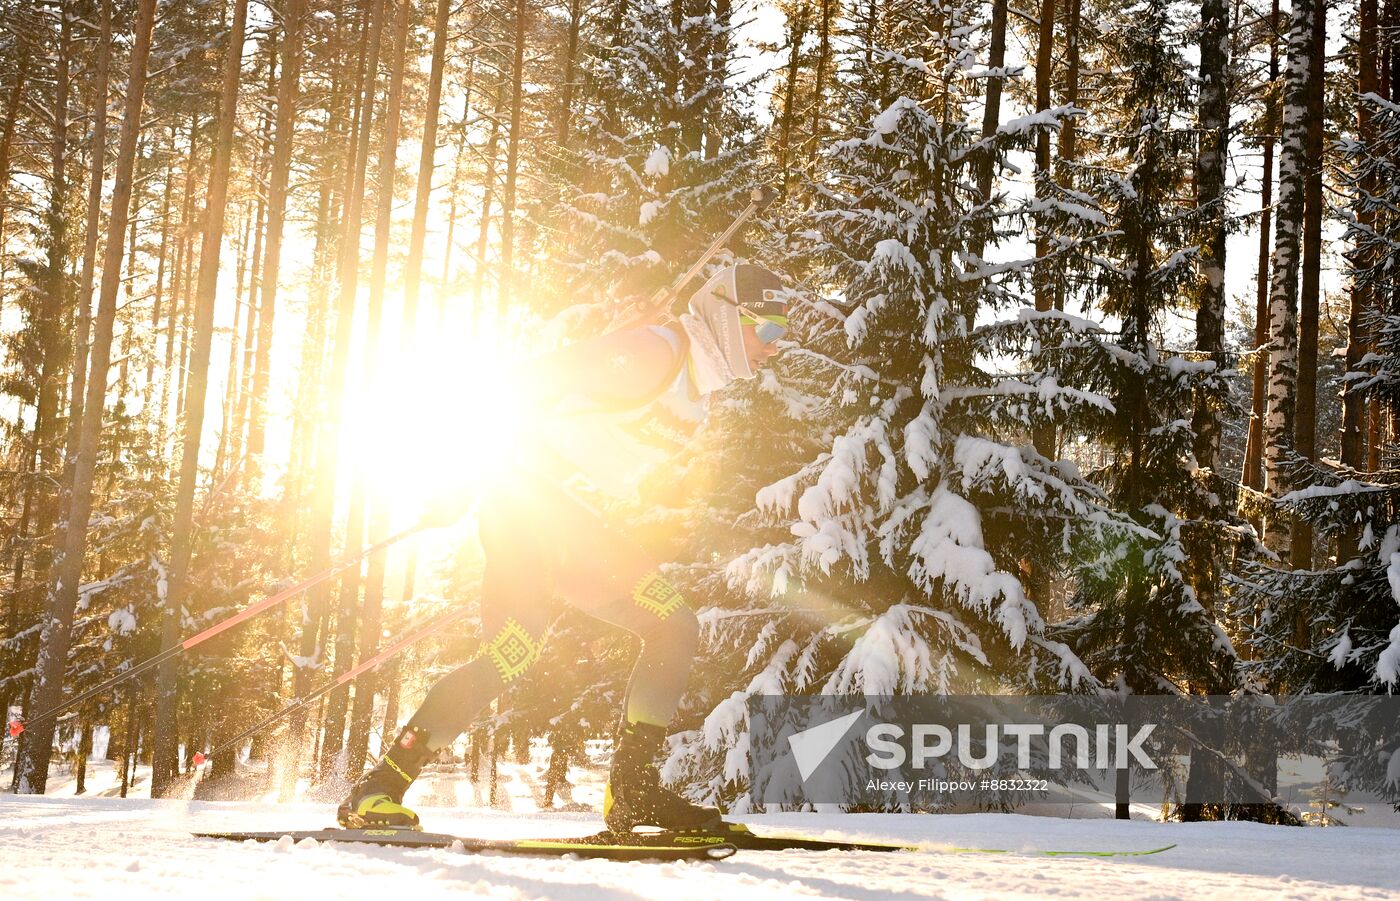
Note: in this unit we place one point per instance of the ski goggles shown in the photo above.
(767, 329)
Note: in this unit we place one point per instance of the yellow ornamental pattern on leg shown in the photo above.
(655, 594)
(512, 650)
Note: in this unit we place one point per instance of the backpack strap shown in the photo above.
(680, 343)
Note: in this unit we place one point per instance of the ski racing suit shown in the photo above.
(627, 403)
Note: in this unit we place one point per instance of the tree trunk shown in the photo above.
(98, 156)
(80, 760)
(1210, 197)
(1253, 474)
(161, 256)
(488, 193)
(453, 193)
(1043, 436)
(517, 104)
(819, 75)
(1069, 133)
(1362, 297)
(241, 372)
(713, 112)
(991, 112)
(276, 218)
(38, 504)
(1389, 79)
(369, 621)
(182, 540)
(179, 282)
(413, 275)
(323, 500)
(797, 33)
(1044, 64)
(63, 592)
(54, 638)
(566, 98)
(129, 739)
(1283, 293)
(7, 136)
(1310, 290)
(240, 383)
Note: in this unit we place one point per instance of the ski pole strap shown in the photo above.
(18, 725)
(389, 652)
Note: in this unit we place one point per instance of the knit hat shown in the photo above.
(714, 306)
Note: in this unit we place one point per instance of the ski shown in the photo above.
(601, 846)
(744, 839)
(644, 845)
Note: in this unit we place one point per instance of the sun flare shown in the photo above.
(458, 404)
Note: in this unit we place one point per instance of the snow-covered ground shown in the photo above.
(60, 846)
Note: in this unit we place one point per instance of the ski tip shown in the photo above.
(1142, 853)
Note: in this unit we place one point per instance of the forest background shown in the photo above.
(1093, 385)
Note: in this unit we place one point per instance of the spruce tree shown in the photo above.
(1144, 616)
(901, 570)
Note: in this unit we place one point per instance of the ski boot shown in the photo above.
(634, 796)
(376, 801)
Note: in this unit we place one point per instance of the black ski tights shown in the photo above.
(540, 544)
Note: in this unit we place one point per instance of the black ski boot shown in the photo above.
(376, 801)
(634, 795)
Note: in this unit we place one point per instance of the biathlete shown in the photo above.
(626, 403)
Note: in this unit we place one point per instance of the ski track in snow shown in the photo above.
(100, 846)
(64, 847)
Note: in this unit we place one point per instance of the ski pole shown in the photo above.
(19, 724)
(760, 199)
(350, 674)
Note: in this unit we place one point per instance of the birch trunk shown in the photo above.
(1310, 286)
(1283, 290)
(1253, 474)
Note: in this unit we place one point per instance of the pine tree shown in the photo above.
(62, 600)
